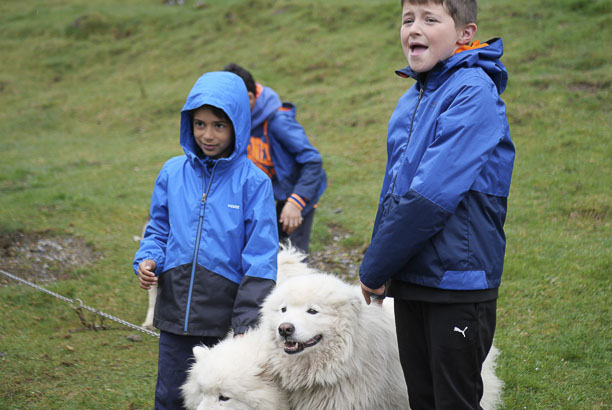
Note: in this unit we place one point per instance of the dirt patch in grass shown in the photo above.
(338, 259)
(41, 257)
(588, 87)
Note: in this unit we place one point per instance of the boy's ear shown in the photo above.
(467, 34)
(252, 99)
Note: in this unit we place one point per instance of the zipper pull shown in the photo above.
(202, 204)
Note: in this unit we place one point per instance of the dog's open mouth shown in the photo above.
(296, 347)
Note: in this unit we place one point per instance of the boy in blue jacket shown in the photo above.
(279, 146)
(438, 241)
(211, 243)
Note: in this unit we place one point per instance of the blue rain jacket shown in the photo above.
(212, 229)
(297, 165)
(444, 196)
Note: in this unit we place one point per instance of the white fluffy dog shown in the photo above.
(231, 375)
(319, 346)
(331, 350)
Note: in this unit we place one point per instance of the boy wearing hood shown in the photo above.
(211, 243)
(438, 241)
(279, 146)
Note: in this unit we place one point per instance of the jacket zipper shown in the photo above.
(198, 236)
(421, 91)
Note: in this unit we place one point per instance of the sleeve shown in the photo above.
(153, 245)
(292, 137)
(307, 186)
(259, 257)
(467, 132)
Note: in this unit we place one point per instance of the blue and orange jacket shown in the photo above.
(279, 146)
(443, 202)
(212, 229)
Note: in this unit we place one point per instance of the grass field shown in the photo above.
(90, 93)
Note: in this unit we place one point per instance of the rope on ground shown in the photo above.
(81, 306)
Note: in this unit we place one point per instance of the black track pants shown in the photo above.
(442, 348)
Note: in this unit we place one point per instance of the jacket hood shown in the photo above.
(226, 91)
(486, 58)
(267, 103)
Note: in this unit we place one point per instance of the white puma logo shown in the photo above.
(456, 329)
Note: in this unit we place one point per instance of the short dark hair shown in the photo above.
(462, 11)
(246, 76)
(215, 110)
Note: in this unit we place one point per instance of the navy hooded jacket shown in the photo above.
(281, 148)
(444, 196)
(212, 229)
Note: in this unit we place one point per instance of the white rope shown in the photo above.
(81, 305)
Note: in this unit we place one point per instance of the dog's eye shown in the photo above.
(223, 398)
(312, 311)
(283, 309)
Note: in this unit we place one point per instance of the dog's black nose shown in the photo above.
(286, 329)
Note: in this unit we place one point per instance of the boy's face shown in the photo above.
(214, 135)
(429, 35)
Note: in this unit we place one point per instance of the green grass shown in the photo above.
(90, 94)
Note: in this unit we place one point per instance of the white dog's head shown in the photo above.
(230, 375)
(311, 321)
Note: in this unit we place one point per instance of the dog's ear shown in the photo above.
(356, 302)
(200, 352)
(351, 304)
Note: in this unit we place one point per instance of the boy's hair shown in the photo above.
(462, 11)
(218, 112)
(246, 76)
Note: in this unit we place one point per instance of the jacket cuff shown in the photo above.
(240, 330)
(159, 265)
(251, 294)
(298, 201)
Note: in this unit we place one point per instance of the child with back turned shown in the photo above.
(438, 241)
(279, 146)
(211, 242)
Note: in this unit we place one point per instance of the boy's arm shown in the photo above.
(259, 256)
(291, 135)
(467, 132)
(153, 245)
(401, 234)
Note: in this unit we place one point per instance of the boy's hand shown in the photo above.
(367, 292)
(290, 218)
(146, 274)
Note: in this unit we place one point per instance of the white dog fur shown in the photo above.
(232, 375)
(331, 350)
(148, 322)
(352, 365)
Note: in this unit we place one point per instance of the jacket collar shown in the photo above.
(486, 57)
(266, 104)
